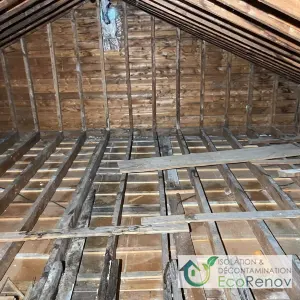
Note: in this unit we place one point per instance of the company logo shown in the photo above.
(190, 269)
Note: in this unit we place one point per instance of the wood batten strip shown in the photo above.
(13, 189)
(110, 275)
(10, 99)
(24, 236)
(228, 87)
(55, 77)
(178, 71)
(74, 253)
(30, 84)
(183, 241)
(72, 212)
(153, 62)
(8, 141)
(102, 65)
(165, 242)
(249, 106)
(264, 236)
(127, 64)
(274, 100)
(202, 81)
(223, 217)
(10, 250)
(8, 161)
(266, 181)
(78, 70)
(212, 229)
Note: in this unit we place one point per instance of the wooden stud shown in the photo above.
(297, 112)
(108, 274)
(222, 217)
(227, 91)
(8, 141)
(72, 212)
(153, 61)
(10, 159)
(30, 84)
(127, 64)
(10, 250)
(78, 70)
(212, 229)
(274, 100)
(13, 189)
(10, 99)
(250, 96)
(102, 65)
(202, 81)
(55, 78)
(74, 254)
(178, 71)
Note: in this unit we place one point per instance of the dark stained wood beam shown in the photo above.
(153, 62)
(228, 86)
(8, 141)
(10, 250)
(13, 189)
(9, 160)
(202, 81)
(178, 76)
(72, 213)
(30, 85)
(10, 99)
(249, 106)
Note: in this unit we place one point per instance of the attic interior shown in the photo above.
(86, 86)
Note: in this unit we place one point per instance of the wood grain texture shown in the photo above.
(207, 159)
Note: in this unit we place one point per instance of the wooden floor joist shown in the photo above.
(72, 212)
(10, 250)
(8, 141)
(208, 159)
(10, 159)
(13, 189)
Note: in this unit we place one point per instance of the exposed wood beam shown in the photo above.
(8, 141)
(250, 96)
(102, 65)
(178, 75)
(74, 254)
(153, 61)
(208, 159)
(55, 77)
(274, 100)
(10, 250)
(72, 212)
(107, 274)
(202, 81)
(212, 229)
(272, 140)
(264, 236)
(297, 112)
(24, 236)
(289, 173)
(223, 217)
(228, 86)
(78, 70)
(13, 189)
(9, 160)
(30, 85)
(10, 99)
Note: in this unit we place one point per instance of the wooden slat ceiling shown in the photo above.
(263, 32)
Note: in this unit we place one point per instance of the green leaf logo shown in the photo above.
(211, 261)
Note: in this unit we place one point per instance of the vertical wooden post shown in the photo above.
(202, 81)
(30, 84)
(78, 70)
(127, 63)
(55, 78)
(250, 97)
(297, 112)
(227, 92)
(10, 99)
(154, 120)
(274, 99)
(178, 38)
(102, 64)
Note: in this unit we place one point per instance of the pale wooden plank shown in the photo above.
(221, 217)
(207, 159)
(289, 173)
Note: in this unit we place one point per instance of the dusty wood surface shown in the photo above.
(206, 159)
(8, 141)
